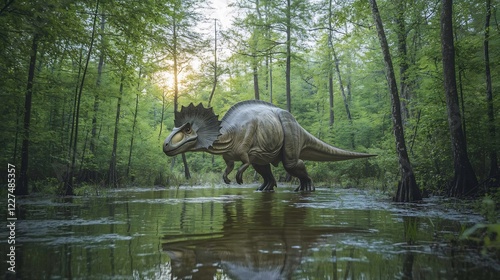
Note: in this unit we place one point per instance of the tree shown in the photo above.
(408, 190)
(100, 65)
(216, 74)
(68, 183)
(22, 188)
(464, 182)
(182, 43)
(112, 178)
(494, 171)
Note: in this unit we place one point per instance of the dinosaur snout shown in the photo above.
(166, 148)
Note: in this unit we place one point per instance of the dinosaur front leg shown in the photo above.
(267, 175)
(229, 168)
(239, 174)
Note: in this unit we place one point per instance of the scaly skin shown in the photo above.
(256, 133)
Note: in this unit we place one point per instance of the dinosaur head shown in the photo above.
(196, 129)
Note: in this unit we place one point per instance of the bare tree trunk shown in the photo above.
(408, 190)
(464, 182)
(344, 97)
(330, 74)
(341, 85)
(22, 188)
(215, 66)
(270, 78)
(494, 171)
(403, 55)
(330, 95)
(134, 122)
(288, 55)
(255, 78)
(112, 178)
(93, 138)
(68, 184)
(187, 174)
(162, 113)
(176, 86)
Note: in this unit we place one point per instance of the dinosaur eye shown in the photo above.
(187, 129)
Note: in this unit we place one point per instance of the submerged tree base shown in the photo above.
(464, 184)
(408, 190)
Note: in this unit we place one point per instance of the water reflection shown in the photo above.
(257, 243)
(202, 232)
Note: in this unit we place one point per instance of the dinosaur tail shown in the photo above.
(317, 150)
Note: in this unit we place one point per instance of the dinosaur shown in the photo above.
(256, 133)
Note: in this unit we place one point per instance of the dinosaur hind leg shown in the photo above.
(291, 151)
(267, 175)
(298, 169)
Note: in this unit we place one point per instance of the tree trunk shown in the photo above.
(403, 56)
(93, 138)
(176, 85)
(288, 55)
(341, 85)
(68, 184)
(67, 172)
(255, 78)
(408, 190)
(215, 66)
(270, 78)
(162, 113)
(330, 71)
(112, 178)
(134, 122)
(187, 174)
(344, 97)
(494, 171)
(330, 95)
(22, 188)
(464, 182)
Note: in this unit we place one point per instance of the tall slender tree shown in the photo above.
(68, 184)
(330, 68)
(100, 65)
(494, 171)
(183, 42)
(408, 190)
(112, 177)
(465, 181)
(403, 57)
(288, 67)
(22, 188)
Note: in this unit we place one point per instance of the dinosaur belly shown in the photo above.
(267, 141)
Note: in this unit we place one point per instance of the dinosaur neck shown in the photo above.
(223, 144)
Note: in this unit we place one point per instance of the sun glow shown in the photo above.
(165, 80)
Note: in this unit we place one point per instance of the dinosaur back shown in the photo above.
(243, 106)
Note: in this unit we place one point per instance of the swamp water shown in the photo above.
(233, 232)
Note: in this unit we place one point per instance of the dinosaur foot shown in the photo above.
(226, 179)
(267, 187)
(305, 186)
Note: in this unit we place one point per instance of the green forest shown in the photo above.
(89, 88)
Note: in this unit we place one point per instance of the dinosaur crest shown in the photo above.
(203, 120)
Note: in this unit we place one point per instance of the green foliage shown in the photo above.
(484, 235)
(137, 47)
